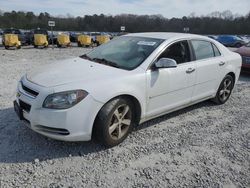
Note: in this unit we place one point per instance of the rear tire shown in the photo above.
(225, 90)
(114, 122)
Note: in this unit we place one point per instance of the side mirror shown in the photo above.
(165, 63)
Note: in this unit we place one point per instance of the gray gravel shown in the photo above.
(201, 146)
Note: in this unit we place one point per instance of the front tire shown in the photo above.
(225, 90)
(114, 122)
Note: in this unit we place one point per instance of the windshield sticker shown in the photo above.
(146, 43)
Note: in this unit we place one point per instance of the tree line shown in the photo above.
(214, 23)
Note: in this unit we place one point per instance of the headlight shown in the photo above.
(64, 100)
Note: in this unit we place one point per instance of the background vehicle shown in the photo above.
(244, 51)
(41, 38)
(102, 39)
(73, 36)
(231, 41)
(21, 35)
(11, 40)
(1, 37)
(129, 80)
(63, 40)
(52, 37)
(94, 35)
(84, 40)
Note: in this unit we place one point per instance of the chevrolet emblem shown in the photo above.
(18, 94)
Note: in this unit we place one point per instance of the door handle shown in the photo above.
(222, 63)
(190, 70)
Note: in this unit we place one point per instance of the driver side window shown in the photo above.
(178, 51)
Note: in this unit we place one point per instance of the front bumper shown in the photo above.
(73, 124)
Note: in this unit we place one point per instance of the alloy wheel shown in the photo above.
(225, 90)
(120, 122)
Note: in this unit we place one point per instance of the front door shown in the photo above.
(170, 88)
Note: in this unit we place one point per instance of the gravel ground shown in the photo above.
(201, 146)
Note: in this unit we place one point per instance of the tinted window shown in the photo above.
(216, 51)
(178, 51)
(202, 49)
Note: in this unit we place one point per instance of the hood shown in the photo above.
(72, 70)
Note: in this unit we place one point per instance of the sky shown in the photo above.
(167, 8)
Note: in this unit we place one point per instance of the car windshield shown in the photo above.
(124, 52)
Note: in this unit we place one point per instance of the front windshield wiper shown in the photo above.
(85, 56)
(106, 62)
(101, 61)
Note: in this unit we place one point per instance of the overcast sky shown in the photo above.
(168, 8)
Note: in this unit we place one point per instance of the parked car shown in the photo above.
(52, 37)
(1, 40)
(29, 37)
(231, 41)
(245, 38)
(94, 36)
(21, 35)
(245, 53)
(73, 36)
(40, 38)
(122, 83)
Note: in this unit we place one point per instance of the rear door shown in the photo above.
(209, 66)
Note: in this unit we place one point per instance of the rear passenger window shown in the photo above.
(216, 51)
(202, 49)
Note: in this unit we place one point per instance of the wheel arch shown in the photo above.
(233, 75)
(133, 99)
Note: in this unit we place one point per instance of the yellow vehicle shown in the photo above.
(40, 40)
(11, 40)
(84, 40)
(63, 40)
(101, 39)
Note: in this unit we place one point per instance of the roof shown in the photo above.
(164, 35)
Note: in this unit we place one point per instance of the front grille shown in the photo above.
(56, 131)
(29, 91)
(25, 106)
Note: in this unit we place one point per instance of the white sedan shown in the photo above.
(127, 81)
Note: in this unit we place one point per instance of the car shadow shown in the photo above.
(19, 144)
(171, 115)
